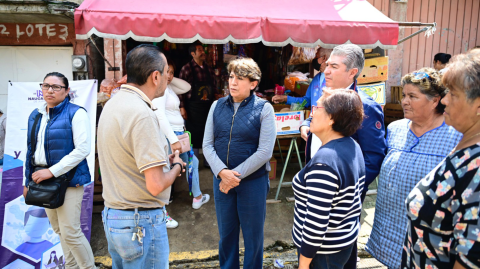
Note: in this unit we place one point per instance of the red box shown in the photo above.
(273, 171)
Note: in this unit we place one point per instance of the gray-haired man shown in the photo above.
(343, 67)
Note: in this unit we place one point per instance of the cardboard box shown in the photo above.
(273, 171)
(301, 88)
(375, 70)
(375, 90)
(289, 122)
(307, 113)
(374, 53)
(278, 107)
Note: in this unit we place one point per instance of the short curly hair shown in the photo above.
(345, 108)
(430, 85)
(464, 73)
(245, 68)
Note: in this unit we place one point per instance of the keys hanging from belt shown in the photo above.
(139, 234)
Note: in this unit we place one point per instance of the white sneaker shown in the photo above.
(204, 200)
(171, 223)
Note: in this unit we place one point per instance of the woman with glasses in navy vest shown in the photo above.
(238, 144)
(63, 143)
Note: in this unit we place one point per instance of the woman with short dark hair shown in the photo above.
(328, 189)
(442, 210)
(440, 60)
(238, 144)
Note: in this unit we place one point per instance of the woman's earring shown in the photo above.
(478, 114)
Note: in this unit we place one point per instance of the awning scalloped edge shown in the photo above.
(130, 34)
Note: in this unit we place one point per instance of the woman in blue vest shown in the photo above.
(63, 142)
(238, 144)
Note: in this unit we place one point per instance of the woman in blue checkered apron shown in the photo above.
(416, 145)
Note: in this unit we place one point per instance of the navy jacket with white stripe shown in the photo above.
(327, 198)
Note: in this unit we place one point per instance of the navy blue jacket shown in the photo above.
(370, 137)
(237, 134)
(58, 141)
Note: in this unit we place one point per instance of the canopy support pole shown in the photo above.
(412, 35)
(429, 27)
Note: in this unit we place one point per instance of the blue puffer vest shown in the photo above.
(58, 141)
(237, 134)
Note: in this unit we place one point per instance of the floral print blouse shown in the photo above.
(443, 210)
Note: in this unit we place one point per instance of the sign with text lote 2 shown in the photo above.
(28, 240)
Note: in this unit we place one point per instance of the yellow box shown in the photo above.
(375, 70)
(375, 90)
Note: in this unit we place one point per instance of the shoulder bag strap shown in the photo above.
(33, 137)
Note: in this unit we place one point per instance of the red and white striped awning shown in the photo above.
(302, 23)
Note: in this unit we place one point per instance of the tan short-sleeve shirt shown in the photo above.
(130, 141)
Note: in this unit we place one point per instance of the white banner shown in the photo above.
(26, 231)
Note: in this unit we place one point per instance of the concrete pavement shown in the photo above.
(194, 243)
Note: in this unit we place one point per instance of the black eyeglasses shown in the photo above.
(46, 87)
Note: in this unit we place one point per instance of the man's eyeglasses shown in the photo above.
(46, 87)
(314, 108)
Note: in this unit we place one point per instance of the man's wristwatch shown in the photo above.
(181, 166)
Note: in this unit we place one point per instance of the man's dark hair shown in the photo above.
(60, 76)
(39, 213)
(193, 48)
(142, 61)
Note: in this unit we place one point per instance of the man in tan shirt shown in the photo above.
(135, 166)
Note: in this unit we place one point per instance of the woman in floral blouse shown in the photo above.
(444, 225)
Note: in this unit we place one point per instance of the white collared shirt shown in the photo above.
(81, 140)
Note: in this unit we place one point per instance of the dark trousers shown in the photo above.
(330, 261)
(242, 207)
(352, 261)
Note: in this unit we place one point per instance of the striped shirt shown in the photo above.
(327, 199)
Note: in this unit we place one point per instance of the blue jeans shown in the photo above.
(119, 228)
(195, 178)
(331, 261)
(243, 206)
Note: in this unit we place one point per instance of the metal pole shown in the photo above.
(95, 45)
(414, 34)
(280, 149)
(413, 24)
(285, 167)
(298, 155)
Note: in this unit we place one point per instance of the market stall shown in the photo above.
(273, 23)
(303, 23)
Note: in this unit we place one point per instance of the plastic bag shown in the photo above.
(298, 106)
(122, 81)
(293, 77)
(108, 85)
(102, 97)
(302, 55)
